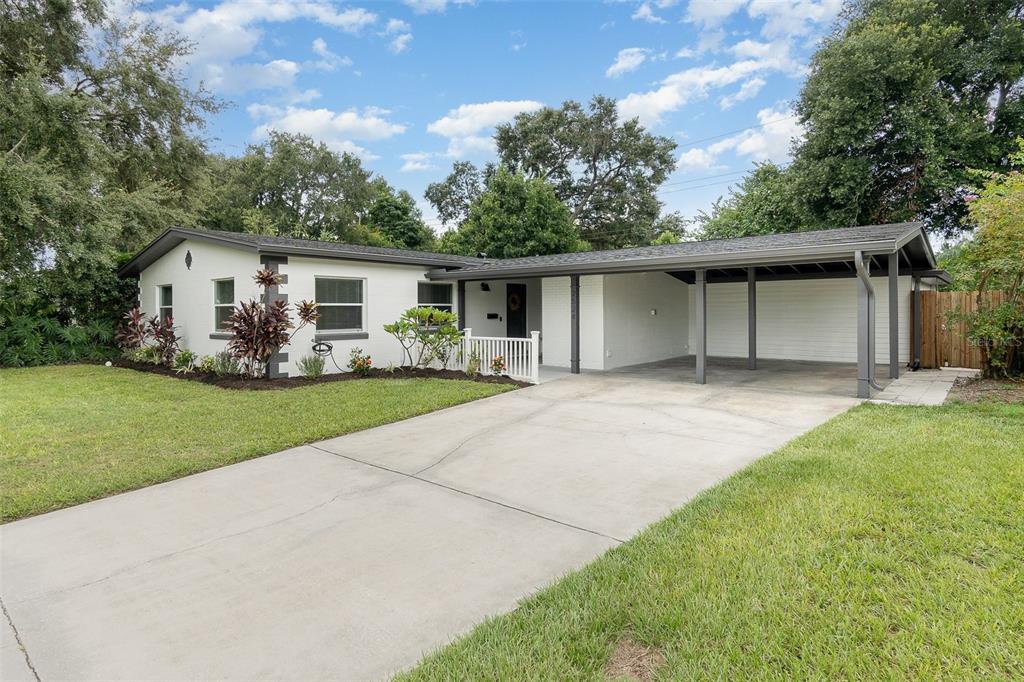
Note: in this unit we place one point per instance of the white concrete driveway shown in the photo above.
(350, 558)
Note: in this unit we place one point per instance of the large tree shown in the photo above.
(900, 102)
(396, 216)
(291, 185)
(763, 203)
(99, 149)
(512, 218)
(605, 170)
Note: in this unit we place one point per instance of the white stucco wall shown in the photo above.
(389, 290)
(632, 334)
(193, 289)
(479, 303)
(555, 321)
(801, 319)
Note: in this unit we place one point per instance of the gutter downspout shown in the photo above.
(865, 330)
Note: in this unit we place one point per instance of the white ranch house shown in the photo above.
(812, 296)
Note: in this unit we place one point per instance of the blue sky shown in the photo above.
(412, 86)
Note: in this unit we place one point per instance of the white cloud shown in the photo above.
(472, 118)
(696, 158)
(328, 60)
(793, 17)
(417, 161)
(748, 90)
(463, 125)
(712, 12)
(427, 6)
(400, 43)
(682, 87)
(770, 141)
(232, 29)
(627, 60)
(645, 13)
(236, 78)
(397, 26)
(335, 129)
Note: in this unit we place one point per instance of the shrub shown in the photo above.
(185, 361)
(498, 365)
(426, 335)
(473, 364)
(225, 364)
(149, 354)
(311, 366)
(360, 364)
(164, 339)
(134, 330)
(206, 364)
(29, 340)
(258, 331)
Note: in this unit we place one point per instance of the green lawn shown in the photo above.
(74, 433)
(887, 543)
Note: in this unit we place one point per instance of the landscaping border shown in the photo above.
(284, 383)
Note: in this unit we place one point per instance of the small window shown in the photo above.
(340, 303)
(435, 296)
(166, 298)
(223, 301)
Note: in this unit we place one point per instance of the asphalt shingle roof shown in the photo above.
(817, 238)
(269, 243)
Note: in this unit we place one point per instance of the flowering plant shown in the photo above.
(498, 365)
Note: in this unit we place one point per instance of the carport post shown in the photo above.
(917, 323)
(574, 327)
(462, 303)
(701, 351)
(865, 313)
(751, 318)
(894, 315)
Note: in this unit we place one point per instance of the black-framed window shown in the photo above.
(165, 297)
(434, 295)
(223, 301)
(341, 304)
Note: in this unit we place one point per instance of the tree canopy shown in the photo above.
(605, 170)
(292, 186)
(899, 104)
(514, 217)
(99, 148)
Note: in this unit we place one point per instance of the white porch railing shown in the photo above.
(522, 356)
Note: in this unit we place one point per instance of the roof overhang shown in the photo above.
(918, 255)
(174, 236)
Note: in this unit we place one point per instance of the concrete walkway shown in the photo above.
(350, 558)
(923, 387)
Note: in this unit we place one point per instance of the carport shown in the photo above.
(868, 262)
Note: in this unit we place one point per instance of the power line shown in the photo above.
(686, 189)
(695, 143)
(706, 177)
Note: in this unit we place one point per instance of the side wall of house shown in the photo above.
(645, 318)
(802, 319)
(193, 288)
(555, 324)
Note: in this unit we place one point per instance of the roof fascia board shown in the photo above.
(782, 255)
(332, 254)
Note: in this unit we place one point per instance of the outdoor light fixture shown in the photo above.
(484, 286)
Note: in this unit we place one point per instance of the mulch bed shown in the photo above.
(977, 390)
(240, 383)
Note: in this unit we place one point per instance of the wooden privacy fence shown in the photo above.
(521, 356)
(944, 344)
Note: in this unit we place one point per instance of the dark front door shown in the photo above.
(515, 311)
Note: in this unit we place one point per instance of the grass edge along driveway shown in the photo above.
(886, 543)
(74, 433)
